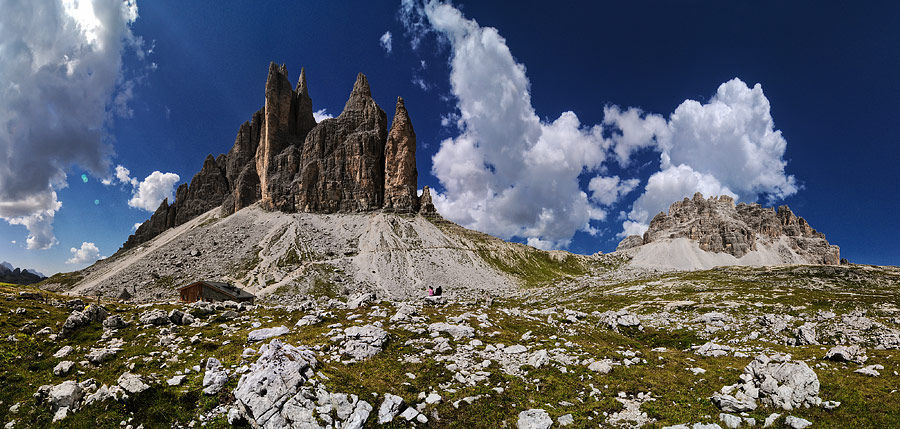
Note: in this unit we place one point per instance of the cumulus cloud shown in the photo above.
(88, 253)
(608, 190)
(508, 172)
(321, 114)
(61, 84)
(385, 42)
(124, 176)
(147, 193)
(153, 189)
(728, 145)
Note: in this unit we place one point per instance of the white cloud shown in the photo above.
(385, 41)
(61, 84)
(508, 172)
(608, 190)
(321, 114)
(153, 189)
(124, 176)
(634, 131)
(88, 253)
(135, 226)
(727, 146)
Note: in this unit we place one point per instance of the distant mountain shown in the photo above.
(702, 233)
(10, 274)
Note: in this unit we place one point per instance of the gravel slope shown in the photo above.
(272, 252)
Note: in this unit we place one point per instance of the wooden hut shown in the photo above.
(213, 291)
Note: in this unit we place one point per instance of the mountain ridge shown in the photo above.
(707, 232)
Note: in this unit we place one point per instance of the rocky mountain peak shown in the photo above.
(284, 160)
(400, 164)
(361, 86)
(720, 226)
(301, 88)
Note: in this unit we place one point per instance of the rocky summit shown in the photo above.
(749, 233)
(286, 161)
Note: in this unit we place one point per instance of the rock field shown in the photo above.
(732, 347)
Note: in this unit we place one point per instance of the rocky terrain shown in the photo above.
(616, 347)
(285, 161)
(716, 232)
(721, 315)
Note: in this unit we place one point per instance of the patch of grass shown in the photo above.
(64, 280)
(290, 258)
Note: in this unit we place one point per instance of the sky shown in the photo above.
(562, 127)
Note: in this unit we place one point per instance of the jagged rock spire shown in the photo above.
(343, 158)
(301, 83)
(400, 172)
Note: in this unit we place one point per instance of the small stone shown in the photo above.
(796, 422)
(870, 370)
(731, 421)
(63, 352)
(771, 420)
(565, 420)
(409, 413)
(515, 349)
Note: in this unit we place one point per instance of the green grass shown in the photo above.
(65, 280)
(681, 396)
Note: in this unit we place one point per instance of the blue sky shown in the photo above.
(156, 86)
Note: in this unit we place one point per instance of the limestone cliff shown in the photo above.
(284, 160)
(717, 225)
(400, 164)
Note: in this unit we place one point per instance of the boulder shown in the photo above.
(155, 316)
(796, 422)
(132, 383)
(64, 397)
(215, 376)
(267, 394)
(389, 408)
(621, 318)
(105, 392)
(63, 368)
(853, 353)
(534, 418)
(775, 381)
(363, 342)
(114, 322)
(456, 331)
(266, 333)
